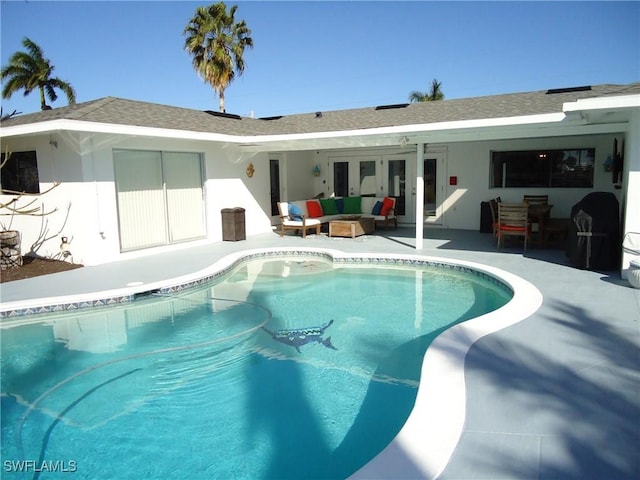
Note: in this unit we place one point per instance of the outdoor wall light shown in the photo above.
(64, 247)
(316, 170)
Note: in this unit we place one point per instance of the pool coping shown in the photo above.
(428, 438)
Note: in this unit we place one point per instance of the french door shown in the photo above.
(399, 181)
(373, 176)
(274, 182)
(393, 176)
(159, 196)
(355, 176)
(396, 171)
(434, 186)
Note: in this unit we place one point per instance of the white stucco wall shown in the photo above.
(470, 163)
(70, 203)
(86, 199)
(297, 176)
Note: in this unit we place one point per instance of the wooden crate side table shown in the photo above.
(351, 227)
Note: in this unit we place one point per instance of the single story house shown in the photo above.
(137, 177)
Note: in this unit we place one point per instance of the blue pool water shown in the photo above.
(285, 368)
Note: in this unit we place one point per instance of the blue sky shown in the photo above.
(319, 56)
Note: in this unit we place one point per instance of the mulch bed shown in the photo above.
(34, 267)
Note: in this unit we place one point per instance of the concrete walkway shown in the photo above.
(555, 396)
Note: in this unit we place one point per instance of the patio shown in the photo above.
(555, 396)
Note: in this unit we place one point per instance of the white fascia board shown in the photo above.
(133, 130)
(417, 128)
(111, 128)
(603, 103)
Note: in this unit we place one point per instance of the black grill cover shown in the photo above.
(598, 214)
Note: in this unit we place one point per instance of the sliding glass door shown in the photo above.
(160, 197)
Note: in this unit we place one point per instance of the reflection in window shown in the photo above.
(20, 173)
(430, 166)
(543, 168)
(341, 179)
(274, 177)
(368, 178)
(397, 184)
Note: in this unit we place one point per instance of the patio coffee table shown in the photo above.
(351, 226)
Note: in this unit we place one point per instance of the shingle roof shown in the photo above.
(120, 111)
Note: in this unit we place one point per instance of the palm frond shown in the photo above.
(29, 71)
(216, 44)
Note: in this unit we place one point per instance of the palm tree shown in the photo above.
(29, 71)
(217, 45)
(434, 93)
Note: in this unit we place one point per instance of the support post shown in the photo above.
(419, 197)
(631, 186)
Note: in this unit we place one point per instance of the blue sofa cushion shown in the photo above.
(295, 213)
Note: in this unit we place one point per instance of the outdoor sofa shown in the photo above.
(313, 213)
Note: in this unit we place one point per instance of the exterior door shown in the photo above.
(434, 186)
(159, 196)
(355, 176)
(274, 176)
(395, 184)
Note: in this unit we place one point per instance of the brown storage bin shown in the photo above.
(233, 226)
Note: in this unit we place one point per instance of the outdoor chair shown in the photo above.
(296, 222)
(536, 223)
(513, 220)
(493, 206)
(536, 199)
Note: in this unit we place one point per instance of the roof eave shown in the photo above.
(390, 136)
(378, 136)
(603, 103)
(110, 128)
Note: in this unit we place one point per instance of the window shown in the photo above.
(543, 168)
(20, 173)
(274, 178)
(368, 178)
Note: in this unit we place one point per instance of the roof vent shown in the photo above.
(277, 117)
(389, 107)
(223, 114)
(318, 114)
(585, 88)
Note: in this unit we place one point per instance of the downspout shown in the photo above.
(419, 196)
(95, 189)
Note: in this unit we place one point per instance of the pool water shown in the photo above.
(286, 368)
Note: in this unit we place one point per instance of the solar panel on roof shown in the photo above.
(585, 88)
(223, 114)
(388, 107)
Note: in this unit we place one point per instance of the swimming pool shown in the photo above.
(281, 380)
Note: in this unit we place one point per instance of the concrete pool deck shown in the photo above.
(555, 396)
